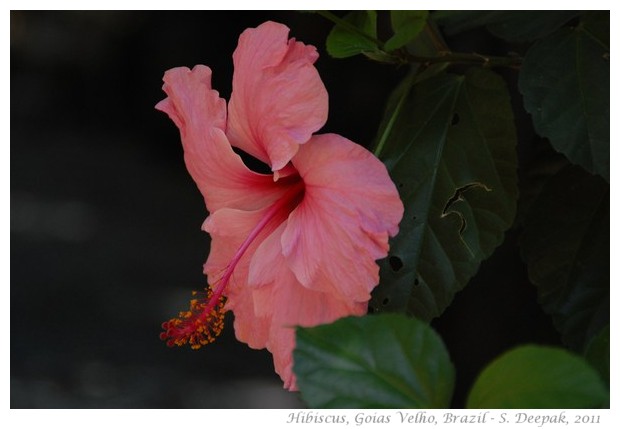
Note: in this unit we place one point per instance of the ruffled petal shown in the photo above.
(294, 305)
(341, 227)
(191, 100)
(278, 98)
(219, 173)
(287, 303)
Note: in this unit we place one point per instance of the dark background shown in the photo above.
(105, 221)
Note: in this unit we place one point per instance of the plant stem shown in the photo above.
(435, 37)
(461, 58)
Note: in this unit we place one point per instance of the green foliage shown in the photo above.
(355, 38)
(597, 353)
(356, 33)
(381, 361)
(566, 246)
(448, 140)
(538, 377)
(597, 24)
(565, 87)
(449, 144)
(510, 25)
(406, 24)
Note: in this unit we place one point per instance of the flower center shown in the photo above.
(204, 321)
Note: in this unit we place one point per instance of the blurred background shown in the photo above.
(105, 221)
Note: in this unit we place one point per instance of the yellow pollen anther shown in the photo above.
(199, 326)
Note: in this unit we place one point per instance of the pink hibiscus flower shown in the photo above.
(292, 248)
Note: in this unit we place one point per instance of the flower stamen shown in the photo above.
(199, 326)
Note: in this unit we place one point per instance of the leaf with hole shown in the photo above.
(538, 377)
(449, 144)
(565, 244)
(378, 361)
(357, 37)
(565, 85)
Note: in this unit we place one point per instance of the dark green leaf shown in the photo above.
(449, 144)
(343, 42)
(513, 26)
(544, 163)
(379, 361)
(597, 353)
(566, 246)
(565, 85)
(457, 21)
(406, 24)
(597, 24)
(538, 377)
(525, 26)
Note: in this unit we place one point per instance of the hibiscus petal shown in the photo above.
(278, 98)
(191, 98)
(341, 227)
(221, 175)
(250, 328)
(267, 256)
(287, 304)
(294, 306)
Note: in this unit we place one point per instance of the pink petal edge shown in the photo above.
(278, 98)
(350, 207)
(219, 173)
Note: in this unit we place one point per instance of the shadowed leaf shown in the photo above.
(565, 85)
(565, 244)
(538, 377)
(510, 25)
(597, 353)
(449, 144)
